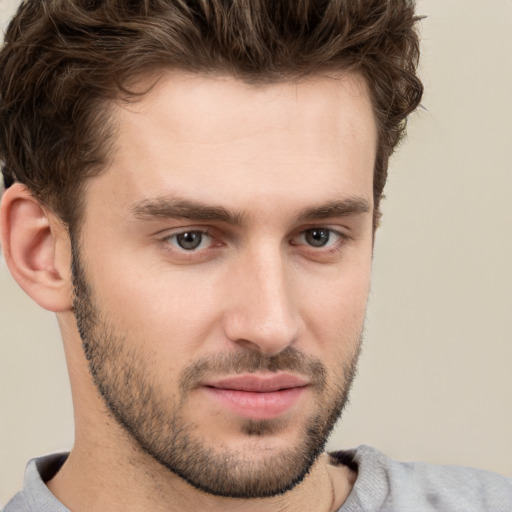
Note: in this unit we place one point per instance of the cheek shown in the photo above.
(335, 308)
(156, 305)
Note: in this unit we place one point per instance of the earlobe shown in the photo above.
(36, 249)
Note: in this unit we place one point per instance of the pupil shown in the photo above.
(189, 240)
(317, 237)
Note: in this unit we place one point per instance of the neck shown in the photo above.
(136, 482)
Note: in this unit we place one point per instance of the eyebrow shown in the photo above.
(340, 208)
(165, 208)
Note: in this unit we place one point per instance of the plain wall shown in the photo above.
(435, 379)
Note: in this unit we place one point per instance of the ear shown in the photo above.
(36, 249)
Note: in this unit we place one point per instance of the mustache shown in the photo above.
(289, 360)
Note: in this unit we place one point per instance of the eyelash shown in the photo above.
(331, 248)
(202, 232)
(334, 246)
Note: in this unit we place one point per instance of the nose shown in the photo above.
(263, 315)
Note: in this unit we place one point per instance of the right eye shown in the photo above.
(192, 240)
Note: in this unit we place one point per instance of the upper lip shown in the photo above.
(258, 383)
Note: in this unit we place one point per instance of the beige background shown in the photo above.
(435, 380)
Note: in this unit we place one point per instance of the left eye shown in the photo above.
(190, 240)
(318, 237)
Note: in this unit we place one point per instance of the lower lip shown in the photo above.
(257, 406)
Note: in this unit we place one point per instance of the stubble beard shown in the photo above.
(122, 375)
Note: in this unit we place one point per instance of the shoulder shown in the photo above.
(35, 496)
(384, 484)
(17, 504)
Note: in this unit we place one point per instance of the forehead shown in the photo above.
(224, 139)
(193, 98)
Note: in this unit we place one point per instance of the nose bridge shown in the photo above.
(263, 315)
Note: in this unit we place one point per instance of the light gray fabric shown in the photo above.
(382, 485)
(35, 496)
(385, 485)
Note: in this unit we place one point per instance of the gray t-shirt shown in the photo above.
(382, 485)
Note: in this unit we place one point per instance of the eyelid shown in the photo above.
(340, 235)
(168, 235)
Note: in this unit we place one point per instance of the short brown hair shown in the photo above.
(63, 60)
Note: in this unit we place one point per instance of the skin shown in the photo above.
(265, 154)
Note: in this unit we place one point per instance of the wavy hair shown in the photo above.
(62, 61)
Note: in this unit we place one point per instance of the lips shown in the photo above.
(259, 383)
(257, 397)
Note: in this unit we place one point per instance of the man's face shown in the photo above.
(222, 273)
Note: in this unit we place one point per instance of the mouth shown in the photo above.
(257, 397)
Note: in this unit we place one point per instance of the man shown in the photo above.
(194, 187)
